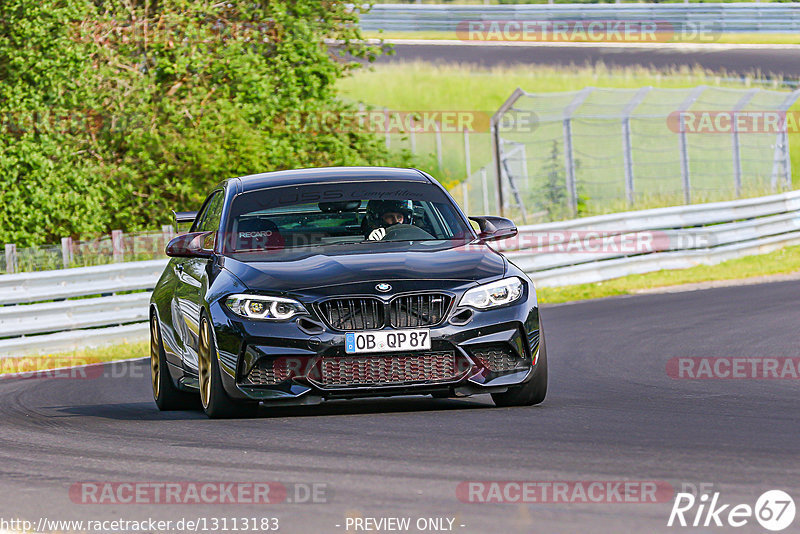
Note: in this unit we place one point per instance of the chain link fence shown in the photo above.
(598, 151)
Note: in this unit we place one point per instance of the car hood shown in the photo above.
(317, 267)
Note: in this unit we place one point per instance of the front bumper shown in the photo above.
(290, 363)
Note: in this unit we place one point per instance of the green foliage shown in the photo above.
(118, 112)
(552, 196)
(47, 180)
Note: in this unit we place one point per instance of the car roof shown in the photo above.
(329, 174)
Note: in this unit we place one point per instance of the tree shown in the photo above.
(171, 96)
(48, 183)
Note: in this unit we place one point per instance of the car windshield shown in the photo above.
(342, 213)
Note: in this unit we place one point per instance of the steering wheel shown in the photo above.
(406, 232)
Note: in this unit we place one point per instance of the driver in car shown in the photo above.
(387, 213)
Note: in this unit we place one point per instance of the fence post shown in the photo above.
(167, 233)
(468, 166)
(737, 154)
(467, 159)
(465, 196)
(498, 169)
(569, 166)
(627, 147)
(569, 158)
(512, 180)
(781, 157)
(684, 149)
(117, 246)
(684, 144)
(523, 164)
(11, 258)
(497, 151)
(66, 251)
(485, 188)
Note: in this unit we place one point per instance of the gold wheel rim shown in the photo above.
(155, 353)
(204, 365)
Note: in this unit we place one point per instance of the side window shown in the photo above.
(209, 219)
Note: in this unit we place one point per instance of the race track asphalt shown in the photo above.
(736, 61)
(612, 414)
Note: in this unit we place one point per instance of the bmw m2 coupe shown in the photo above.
(295, 287)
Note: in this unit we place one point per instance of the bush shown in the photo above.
(118, 114)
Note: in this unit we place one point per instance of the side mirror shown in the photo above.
(494, 228)
(192, 245)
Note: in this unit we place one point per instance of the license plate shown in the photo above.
(387, 341)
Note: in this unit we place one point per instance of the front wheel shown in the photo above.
(533, 391)
(167, 396)
(215, 401)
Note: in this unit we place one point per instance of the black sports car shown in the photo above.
(293, 287)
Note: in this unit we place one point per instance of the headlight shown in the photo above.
(494, 294)
(261, 307)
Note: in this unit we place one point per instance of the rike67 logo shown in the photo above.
(774, 510)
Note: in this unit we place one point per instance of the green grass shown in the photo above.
(422, 86)
(783, 261)
(723, 38)
(44, 362)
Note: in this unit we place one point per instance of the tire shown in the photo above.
(533, 391)
(167, 396)
(213, 398)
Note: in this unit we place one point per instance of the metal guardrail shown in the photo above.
(722, 17)
(670, 241)
(689, 235)
(606, 270)
(73, 340)
(68, 283)
(73, 314)
(46, 312)
(686, 236)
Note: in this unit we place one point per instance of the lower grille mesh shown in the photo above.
(496, 358)
(381, 370)
(268, 373)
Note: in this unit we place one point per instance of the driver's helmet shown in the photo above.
(376, 209)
